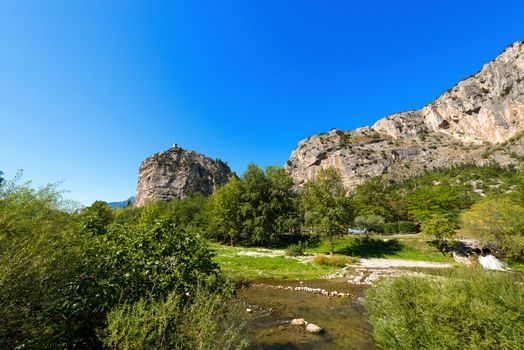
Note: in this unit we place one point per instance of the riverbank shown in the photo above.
(251, 263)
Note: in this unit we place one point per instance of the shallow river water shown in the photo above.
(343, 319)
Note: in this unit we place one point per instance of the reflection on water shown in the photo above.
(343, 319)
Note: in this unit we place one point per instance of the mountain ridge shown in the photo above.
(466, 123)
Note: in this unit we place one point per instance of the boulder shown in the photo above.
(313, 328)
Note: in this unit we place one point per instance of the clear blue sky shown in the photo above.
(88, 89)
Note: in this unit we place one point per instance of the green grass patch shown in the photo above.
(259, 267)
(408, 247)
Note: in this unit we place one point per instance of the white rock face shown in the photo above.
(460, 126)
(177, 173)
(488, 106)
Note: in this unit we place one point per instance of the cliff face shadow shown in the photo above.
(370, 247)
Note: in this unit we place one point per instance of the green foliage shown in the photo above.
(400, 227)
(257, 208)
(440, 199)
(500, 219)
(209, 322)
(226, 211)
(444, 191)
(101, 210)
(371, 199)
(297, 249)
(439, 227)
(47, 299)
(25, 211)
(372, 223)
(154, 260)
(465, 310)
(325, 204)
(58, 281)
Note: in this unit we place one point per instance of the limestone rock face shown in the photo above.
(177, 173)
(480, 119)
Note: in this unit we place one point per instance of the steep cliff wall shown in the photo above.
(478, 120)
(177, 173)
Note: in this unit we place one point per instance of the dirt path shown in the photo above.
(388, 263)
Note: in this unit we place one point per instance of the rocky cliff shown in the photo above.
(480, 119)
(177, 173)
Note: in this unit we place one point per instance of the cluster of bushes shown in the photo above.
(77, 279)
(462, 310)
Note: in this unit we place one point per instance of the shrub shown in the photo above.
(211, 321)
(296, 249)
(465, 310)
(336, 260)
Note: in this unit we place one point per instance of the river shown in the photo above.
(343, 319)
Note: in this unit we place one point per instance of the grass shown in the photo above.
(408, 247)
(517, 265)
(335, 260)
(259, 267)
(267, 263)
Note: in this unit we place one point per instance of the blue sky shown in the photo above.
(88, 89)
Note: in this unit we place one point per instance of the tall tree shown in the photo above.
(325, 204)
(254, 207)
(226, 210)
(283, 206)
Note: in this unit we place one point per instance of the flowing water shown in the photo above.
(490, 262)
(343, 319)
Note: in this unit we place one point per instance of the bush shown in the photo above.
(335, 260)
(296, 249)
(465, 310)
(58, 279)
(211, 321)
(400, 227)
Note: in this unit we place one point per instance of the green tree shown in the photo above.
(96, 217)
(226, 211)
(498, 218)
(283, 208)
(371, 199)
(254, 206)
(441, 199)
(440, 227)
(325, 205)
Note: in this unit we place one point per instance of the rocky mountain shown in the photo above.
(480, 119)
(177, 173)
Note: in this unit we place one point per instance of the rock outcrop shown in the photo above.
(481, 119)
(177, 173)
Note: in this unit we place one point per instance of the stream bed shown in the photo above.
(343, 318)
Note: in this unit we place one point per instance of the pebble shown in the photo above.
(318, 291)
